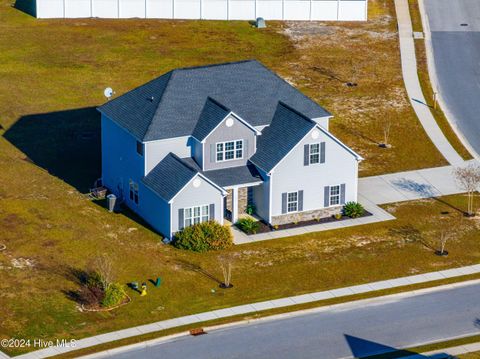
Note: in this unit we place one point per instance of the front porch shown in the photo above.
(237, 202)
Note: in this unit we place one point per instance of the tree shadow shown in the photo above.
(425, 190)
(27, 6)
(410, 234)
(186, 265)
(366, 349)
(65, 143)
(357, 133)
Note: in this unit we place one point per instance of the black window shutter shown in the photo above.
(181, 222)
(342, 193)
(211, 212)
(306, 155)
(326, 196)
(322, 152)
(212, 152)
(300, 200)
(284, 202)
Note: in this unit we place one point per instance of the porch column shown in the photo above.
(235, 205)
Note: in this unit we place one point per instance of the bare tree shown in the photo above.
(468, 179)
(103, 266)
(387, 125)
(226, 266)
(444, 236)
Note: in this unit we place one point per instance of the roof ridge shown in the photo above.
(185, 164)
(290, 108)
(215, 65)
(170, 75)
(216, 102)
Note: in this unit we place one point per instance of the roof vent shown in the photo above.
(151, 98)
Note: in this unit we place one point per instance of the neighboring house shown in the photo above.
(203, 143)
(323, 10)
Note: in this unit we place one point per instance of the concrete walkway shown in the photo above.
(376, 190)
(254, 308)
(378, 215)
(412, 85)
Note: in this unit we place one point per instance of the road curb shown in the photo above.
(432, 74)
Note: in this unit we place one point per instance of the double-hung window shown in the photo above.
(195, 215)
(230, 150)
(314, 153)
(292, 202)
(133, 191)
(334, 195)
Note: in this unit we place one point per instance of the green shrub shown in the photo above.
(250, 209)
(204, 236)
(248, 225)
(114, 295)
(353, 209)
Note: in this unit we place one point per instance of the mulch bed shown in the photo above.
(265, 227)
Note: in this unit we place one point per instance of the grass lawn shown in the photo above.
(40, 255)
(53, 73)
(57, 70)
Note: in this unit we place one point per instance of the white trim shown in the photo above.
(201, 214)
(250, 184)
(352, 152)
(286, 209)
(330, 195)
(270, 198)
(223, 143)
(222, 191)
(318, 153)
(231, 113)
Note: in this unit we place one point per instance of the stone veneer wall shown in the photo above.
(242, 200)
(306, 215)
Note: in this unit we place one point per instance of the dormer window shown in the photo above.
(230, 150)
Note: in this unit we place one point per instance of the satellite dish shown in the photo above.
(108, 92)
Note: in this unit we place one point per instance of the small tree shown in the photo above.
(226, 266)
(444, 236)
(387, 124)
(103, 267)
(468, 179)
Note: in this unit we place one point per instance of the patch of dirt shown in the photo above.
(22, 263)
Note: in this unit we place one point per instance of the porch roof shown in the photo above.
(228, 177)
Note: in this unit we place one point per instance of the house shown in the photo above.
(319, 10)
(203, 143)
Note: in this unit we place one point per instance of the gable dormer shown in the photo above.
(222, 138)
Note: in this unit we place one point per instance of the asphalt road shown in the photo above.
(456, 51)
(351, 329)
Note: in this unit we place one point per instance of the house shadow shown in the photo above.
(64, 143)
(366, 349)
(27, 6)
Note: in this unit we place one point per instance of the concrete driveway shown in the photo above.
(455, 36)
(346, 331)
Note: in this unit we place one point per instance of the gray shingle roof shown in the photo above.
(169, 176)
(229, 176)
(288, 127)
(248, 88)
(212, 114)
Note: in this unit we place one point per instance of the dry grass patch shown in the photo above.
(261, 271)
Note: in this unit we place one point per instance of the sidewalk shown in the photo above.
(446, 353)
(254, 308)
(375, 190)
(412, 85)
